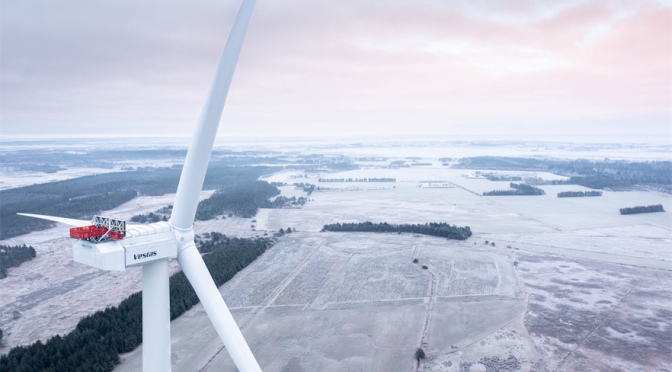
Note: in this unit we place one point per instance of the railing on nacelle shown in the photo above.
(102, 229)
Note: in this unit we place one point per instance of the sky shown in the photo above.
(74, 68)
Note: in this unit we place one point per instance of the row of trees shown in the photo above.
(357, 179)
(307, 187)
(282, 201)
(493, 177)
(98, 339)
(441, 229)
(576, 194)
(518, 189)
(282, 232)
(643, 209)
(13, 257)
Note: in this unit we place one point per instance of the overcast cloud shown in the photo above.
(316, 67)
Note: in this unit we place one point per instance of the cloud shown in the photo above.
(393, 67)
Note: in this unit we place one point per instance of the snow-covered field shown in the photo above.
(332, 301)
(356, 301)
(11, 178)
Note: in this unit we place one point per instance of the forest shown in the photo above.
(51, 161)
(84, 197)
(13, 257)
(518, 189)
(441, 229)
(643, 209)
(243, 200)
(620, 174)
(98, 339)
(578, 194)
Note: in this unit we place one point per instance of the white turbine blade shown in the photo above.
(198, 156)
(67, 221)
(197, 273)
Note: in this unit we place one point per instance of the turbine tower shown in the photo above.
(109, 245)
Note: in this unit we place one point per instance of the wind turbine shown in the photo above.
(151, 246)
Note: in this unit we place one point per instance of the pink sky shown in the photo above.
(348, 67)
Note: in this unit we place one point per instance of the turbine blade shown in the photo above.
(198, 156)
(67, 221)
(197, 273)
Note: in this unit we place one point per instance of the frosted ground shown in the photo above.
(341, 301)
(354, 301)
(11, 178)
(338, 302)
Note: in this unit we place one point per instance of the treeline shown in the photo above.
(536, 181)
(148, 218)
(282, 201)
(162, 214)
(519, 189)
(493, 177)
(357, 180)
(642, 209)
(420, 164)
(86, 196)
(13, 257)
(243, 200)
(576, 194)
(588, 173)
(44, 168)
(98, 339)
(441, 229)
(307, 187)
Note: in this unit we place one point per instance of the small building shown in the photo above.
(436, 184)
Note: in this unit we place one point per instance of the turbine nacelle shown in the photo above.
(142, 245)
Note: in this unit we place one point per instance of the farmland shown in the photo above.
(561, 289)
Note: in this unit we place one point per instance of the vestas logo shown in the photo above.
(144, 255)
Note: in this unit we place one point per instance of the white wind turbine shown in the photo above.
(151, 246)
